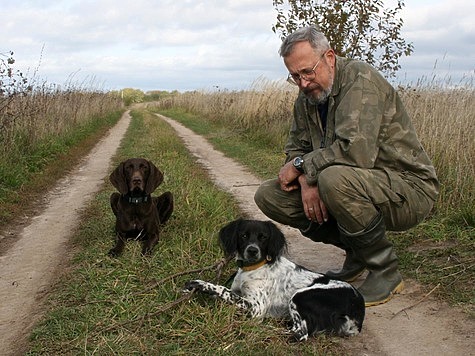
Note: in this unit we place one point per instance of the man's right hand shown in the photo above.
(287, 177)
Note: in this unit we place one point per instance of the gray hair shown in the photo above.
(312, 34)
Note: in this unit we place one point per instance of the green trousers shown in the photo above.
(354, 197)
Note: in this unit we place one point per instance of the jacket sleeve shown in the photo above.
(358, 120)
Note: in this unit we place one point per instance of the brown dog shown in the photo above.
(138, 214)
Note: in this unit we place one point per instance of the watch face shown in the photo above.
(298, 162)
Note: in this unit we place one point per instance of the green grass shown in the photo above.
(248, 148)
(132, 305)
(24, 173)
(437, 253)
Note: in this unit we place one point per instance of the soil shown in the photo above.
(33, 253)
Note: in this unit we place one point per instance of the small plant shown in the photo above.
(13, 83)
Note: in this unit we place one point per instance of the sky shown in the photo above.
(201, 45)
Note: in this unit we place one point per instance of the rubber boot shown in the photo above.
(373, 248)
(329, 233)
(351, 270)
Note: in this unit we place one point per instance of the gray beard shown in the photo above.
(322, 98)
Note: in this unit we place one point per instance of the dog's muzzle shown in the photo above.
(252, 253)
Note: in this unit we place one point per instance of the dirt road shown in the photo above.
(28, 268)
(409, 325)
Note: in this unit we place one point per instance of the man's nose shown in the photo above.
(304, 82)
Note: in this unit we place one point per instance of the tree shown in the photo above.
(131, 96)
(360, 29)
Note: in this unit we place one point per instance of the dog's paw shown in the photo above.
(113, 253)
(193, 285)
(300, 333)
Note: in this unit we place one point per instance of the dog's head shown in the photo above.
(252, 241)
(136, 176)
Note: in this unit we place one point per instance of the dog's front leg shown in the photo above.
(119, 246)
(149, 244)
(220, 292)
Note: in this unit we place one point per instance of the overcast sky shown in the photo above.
(192, 44)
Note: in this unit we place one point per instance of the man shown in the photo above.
(354, 166)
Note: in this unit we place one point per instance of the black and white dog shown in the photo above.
(269, 285)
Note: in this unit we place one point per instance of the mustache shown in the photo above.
(312, 88)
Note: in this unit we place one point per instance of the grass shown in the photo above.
(248, 149)
(41, 124)
(132, 305)
(25, 175)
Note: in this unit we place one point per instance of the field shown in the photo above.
(37, 126)
(129, 305)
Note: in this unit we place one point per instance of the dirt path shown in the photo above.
(28, 268)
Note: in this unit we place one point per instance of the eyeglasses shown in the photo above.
(305, 74)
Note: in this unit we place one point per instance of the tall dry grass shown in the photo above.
(32, 110)
(444, 120)
(46, 111)
(264, 110)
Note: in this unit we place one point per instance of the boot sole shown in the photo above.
(399, 288)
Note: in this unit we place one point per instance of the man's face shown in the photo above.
(316, 84)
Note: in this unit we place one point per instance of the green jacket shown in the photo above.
(367, 127)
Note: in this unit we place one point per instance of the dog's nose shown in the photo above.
(136, 181)
(252, 251)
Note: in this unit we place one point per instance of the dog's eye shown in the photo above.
(244, 236)
(262, 237)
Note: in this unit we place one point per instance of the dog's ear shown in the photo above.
(276, 244)
(228, 237)
(118, 180)
(154, 179)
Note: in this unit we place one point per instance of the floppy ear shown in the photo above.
(154, 179)
(228, 237)
(117, 178)
(276, 244)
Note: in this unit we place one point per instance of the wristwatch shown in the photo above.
(298, 163)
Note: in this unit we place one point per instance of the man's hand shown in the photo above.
(288, 177)
(313, 206)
